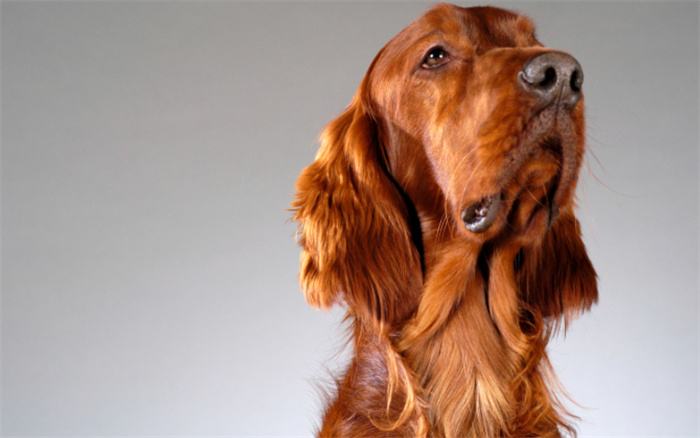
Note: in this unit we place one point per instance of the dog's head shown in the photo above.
(465, 129)
(497, 117)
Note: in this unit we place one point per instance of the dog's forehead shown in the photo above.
(490, 26)
(499, 26)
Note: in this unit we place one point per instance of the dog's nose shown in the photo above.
(553, 78)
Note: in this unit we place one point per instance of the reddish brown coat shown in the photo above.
(449, 326)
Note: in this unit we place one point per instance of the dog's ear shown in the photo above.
(353, 224)
(556, 276)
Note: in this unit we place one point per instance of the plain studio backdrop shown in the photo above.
(149, 267)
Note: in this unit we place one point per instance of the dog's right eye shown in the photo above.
(435, 58)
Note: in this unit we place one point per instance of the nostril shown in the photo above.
(550, 78)
(538, 76)
(576, 81)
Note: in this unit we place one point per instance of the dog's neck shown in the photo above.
(477, 388)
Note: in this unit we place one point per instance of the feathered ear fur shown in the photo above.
(557, 277)
(354, 225)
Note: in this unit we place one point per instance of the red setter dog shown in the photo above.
(439, 210)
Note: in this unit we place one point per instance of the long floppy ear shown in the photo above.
(354, 226)
(556, 276)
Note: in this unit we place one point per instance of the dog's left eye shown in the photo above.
(435, 58)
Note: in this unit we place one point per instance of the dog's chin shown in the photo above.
(528, 205)
(528, 201)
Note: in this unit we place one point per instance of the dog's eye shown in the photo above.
(435, 58)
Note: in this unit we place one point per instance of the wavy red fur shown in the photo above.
(450, 323)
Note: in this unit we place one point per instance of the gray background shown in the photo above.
(149, 151)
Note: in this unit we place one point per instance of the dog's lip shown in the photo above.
(479, 216)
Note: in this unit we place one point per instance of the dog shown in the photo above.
(439, 211)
